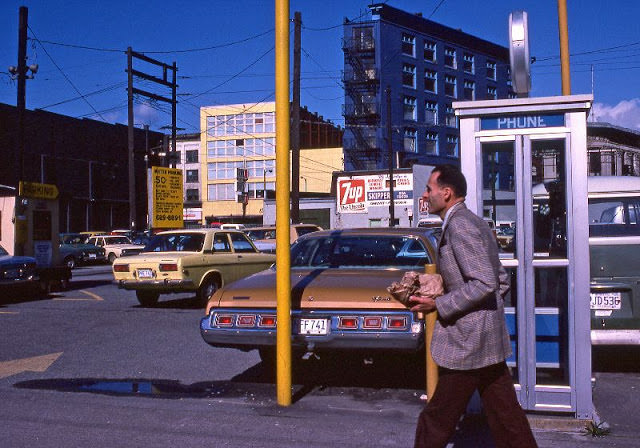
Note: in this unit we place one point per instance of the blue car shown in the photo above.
(74, 251)
(16, 270)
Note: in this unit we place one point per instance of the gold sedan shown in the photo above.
(198, 260)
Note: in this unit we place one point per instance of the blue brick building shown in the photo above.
(425, 66)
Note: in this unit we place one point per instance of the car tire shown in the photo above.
(207, 288)
(112, 257)
(70, 262)
(147, 298)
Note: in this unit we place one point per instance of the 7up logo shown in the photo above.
(351, 191)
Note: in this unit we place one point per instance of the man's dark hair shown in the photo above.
(451, 176)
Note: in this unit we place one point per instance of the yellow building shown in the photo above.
(244, 136)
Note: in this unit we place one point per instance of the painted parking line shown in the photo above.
(92, 296)
(9, 312)
(34, 364)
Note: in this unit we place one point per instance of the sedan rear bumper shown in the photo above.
(408, 339)
(615, 337)
(166, 285)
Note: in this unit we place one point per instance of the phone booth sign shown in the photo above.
(525, 161)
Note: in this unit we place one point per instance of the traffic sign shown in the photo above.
(37, 191)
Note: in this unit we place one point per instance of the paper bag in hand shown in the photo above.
(414, 284)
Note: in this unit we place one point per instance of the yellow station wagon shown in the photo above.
(198, 260)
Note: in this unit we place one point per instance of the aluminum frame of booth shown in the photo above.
(508, 147)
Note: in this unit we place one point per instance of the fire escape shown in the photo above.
(361, 110)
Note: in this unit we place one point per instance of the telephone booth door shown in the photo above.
(526, 169)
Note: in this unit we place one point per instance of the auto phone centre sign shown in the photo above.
(167, 199)
(357, 193)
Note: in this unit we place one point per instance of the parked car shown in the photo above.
(74, 252)
(614, 245)
(339, 299)
(232, 226)
(115, 246)
(17, 271)
(265, 237)
(198, 260)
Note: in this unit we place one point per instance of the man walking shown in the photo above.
(470, 340)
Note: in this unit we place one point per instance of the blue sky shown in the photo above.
(223, 50)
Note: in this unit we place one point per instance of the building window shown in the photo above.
(450, 86)
(363, 38)
(432, 143)
(228, 125)
(430, 51)
(193, 194)
(252, 147)
(491, 70)
(221, 192)
(450, 117)
(192, 176)
(409, 108)
(409, 75)
(408, 45)
(192, 156)
(492, 93)
(468, 63)
(430, 81)
(431, 112)
(452, 146)
(469, 90)
(450, 57)
(410, 140)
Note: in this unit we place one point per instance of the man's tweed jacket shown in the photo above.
(470, 332)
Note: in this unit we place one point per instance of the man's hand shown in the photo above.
(426, 304)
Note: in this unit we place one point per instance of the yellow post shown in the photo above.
(563, 31)
(429, 324)
(283, 256)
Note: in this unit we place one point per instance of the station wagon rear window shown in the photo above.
(373, 251)
(614, 217)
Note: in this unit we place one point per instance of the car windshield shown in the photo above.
(175, 242)
(360, 251)
(3, 251)
(73, 239)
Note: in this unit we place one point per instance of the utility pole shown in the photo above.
(295, 122)
(22, 87)
(564, 47)
(130, 143)
(172, 155)
(392, 217)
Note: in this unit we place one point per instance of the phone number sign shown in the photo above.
(167, 202)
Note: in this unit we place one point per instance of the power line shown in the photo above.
(435, 9)
(63, 74)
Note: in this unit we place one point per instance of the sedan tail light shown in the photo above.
(121, 268)
(224, 320)
(246, 320)
(372, 322)
(267, 321)
(168, 267)
(348, 322)
(397, 323)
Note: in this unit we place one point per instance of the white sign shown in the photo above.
(357, 193)
(42, 252)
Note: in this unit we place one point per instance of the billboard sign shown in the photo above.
(167, 198)
(357, 193)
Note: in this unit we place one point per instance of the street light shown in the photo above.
(264, 182)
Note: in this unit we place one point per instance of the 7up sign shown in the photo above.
(351, 195)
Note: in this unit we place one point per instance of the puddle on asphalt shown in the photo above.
(156, 388)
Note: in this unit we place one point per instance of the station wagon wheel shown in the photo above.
(70, 262)
(147, 298)
(207, 288)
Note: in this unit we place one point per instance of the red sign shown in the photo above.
(351, 194)
(423, 206)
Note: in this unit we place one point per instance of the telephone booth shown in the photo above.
(525, 161)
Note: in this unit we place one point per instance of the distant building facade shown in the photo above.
(86, 159)
(613, 150)
(426, 66)
(189, 161)
(244, 136)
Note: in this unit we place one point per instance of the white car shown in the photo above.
(115, 246)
